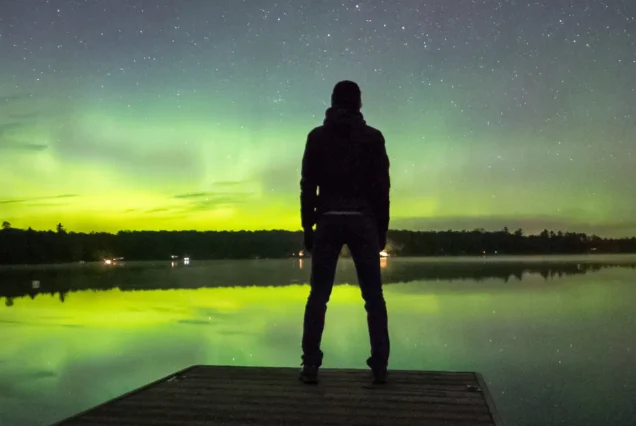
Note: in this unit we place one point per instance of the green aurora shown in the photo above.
(128, 123)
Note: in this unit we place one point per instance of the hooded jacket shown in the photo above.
(345, 167)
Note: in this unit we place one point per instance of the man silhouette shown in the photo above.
(344, 191)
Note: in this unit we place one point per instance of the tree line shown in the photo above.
(28, 246)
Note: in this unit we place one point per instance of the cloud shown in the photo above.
(8, 127)
(226, 199)
(36, 199)
(18, 146)
(232, 183)
(201, 201)
(13, 201)
(20, 119)
(197, 201)
(219, 185)
(215, 197)
(26, 116)
(15, 98)
(158, 210)
(194, 195)
(34, 146)
(9, 143)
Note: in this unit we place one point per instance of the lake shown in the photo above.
(555, 337)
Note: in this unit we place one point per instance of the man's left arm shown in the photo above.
(308, 186)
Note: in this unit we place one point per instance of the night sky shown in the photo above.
(174, 114)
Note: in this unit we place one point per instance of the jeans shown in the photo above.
(360, 234)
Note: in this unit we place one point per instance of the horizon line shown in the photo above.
(437, 231)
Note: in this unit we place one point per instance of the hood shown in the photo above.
(343, 119)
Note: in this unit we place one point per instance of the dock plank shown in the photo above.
(264, 396)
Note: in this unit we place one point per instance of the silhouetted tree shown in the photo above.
(6, 225)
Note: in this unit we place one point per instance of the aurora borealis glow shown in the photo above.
(193, 115)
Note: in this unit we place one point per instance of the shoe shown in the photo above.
(309, 375)
(379, 376)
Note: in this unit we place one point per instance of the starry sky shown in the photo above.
(171, 114)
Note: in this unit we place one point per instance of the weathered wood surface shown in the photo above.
(264, 396)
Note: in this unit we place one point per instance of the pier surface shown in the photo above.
(264, 396)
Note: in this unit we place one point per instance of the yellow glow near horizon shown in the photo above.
(108, 172)
(117, 308)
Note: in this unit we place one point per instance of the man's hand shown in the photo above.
(309, 239)
(382, 240)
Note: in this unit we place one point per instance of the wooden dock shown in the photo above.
(260, 396)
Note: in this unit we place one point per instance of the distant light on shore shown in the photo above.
(384, 254)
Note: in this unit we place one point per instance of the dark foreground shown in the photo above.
(223, 395)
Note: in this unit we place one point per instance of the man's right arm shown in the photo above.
(383, 182)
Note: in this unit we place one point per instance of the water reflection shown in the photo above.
(59, 280)
(553, 339)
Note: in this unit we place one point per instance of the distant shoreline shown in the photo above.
(562, 258)
(30, 247)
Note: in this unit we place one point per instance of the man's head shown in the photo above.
(346, 94)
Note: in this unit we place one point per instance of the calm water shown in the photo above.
(554, 337)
